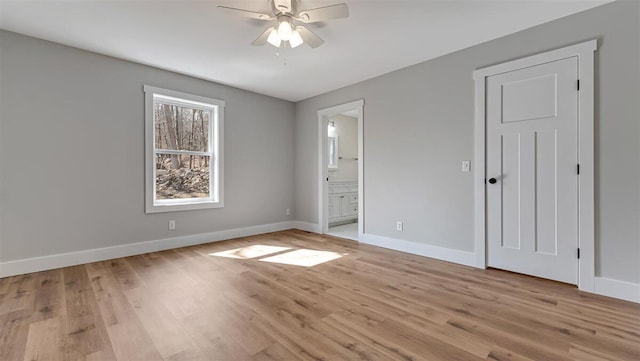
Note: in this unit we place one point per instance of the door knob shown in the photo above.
(493, 180)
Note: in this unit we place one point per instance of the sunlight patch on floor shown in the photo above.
(303, 257)
(299, 257)
(248, 252)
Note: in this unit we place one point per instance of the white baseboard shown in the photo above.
(618, 289)
(603, 286)
(306, 226)
(441, 253)
(23, 266)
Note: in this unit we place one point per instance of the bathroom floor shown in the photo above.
(349, 230)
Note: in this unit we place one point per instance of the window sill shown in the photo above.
(176, 207)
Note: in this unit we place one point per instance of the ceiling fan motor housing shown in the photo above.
(288, 7)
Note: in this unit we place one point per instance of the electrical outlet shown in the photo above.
(288, 212)
(466, 166)
(399, 226)
(172, 225)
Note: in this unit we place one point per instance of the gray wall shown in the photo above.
(72, 152)
(419, 126)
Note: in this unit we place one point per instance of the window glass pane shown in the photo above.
(333, 156)
(181, 128)
(182, 176)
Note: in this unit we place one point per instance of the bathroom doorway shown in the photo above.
(341, 166)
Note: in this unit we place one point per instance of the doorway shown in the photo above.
(534, 152)
(341, 170)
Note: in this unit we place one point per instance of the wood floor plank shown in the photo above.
(17, 312)
(275, 352)
(509, 341)
(50, 298)
(4, 289)
(85, 330)
(297, 320)
(20, 293)
(45, 340)
(500, 354)
(368, 304)
(591, 354)
(168, 335)
(129, 339)
(14, 331)
(243, 329)
(125, 275)
(366, 332)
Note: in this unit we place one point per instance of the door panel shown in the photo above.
(532, 152)
(546, 240)
(510, 184)
(345, 202)
(335, 206)
(528, 99)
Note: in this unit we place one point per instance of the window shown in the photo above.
(333, 152)
(184, 143)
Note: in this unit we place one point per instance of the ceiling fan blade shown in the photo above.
(262, 39)
(309, 37)
(246, 13)
(325, 13)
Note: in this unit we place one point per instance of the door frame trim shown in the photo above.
(586, 210)
(323, 189)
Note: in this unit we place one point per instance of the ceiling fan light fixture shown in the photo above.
(284, 30)
(285, 12)
(296, 39)
(273, 38)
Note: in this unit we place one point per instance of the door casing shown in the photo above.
(586, 210)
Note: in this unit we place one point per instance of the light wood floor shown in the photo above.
(369, 304)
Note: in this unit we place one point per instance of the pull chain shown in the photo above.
(284, 56)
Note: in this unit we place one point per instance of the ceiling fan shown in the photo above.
(285, 12)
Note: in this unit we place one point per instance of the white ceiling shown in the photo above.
(194, 38)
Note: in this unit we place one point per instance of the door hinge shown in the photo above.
(578, 84)
(578, 168)
(578, 253)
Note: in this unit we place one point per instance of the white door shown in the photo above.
(532, 171)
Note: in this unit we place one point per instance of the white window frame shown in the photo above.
(216, 151)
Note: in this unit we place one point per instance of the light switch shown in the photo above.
(466, 166)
